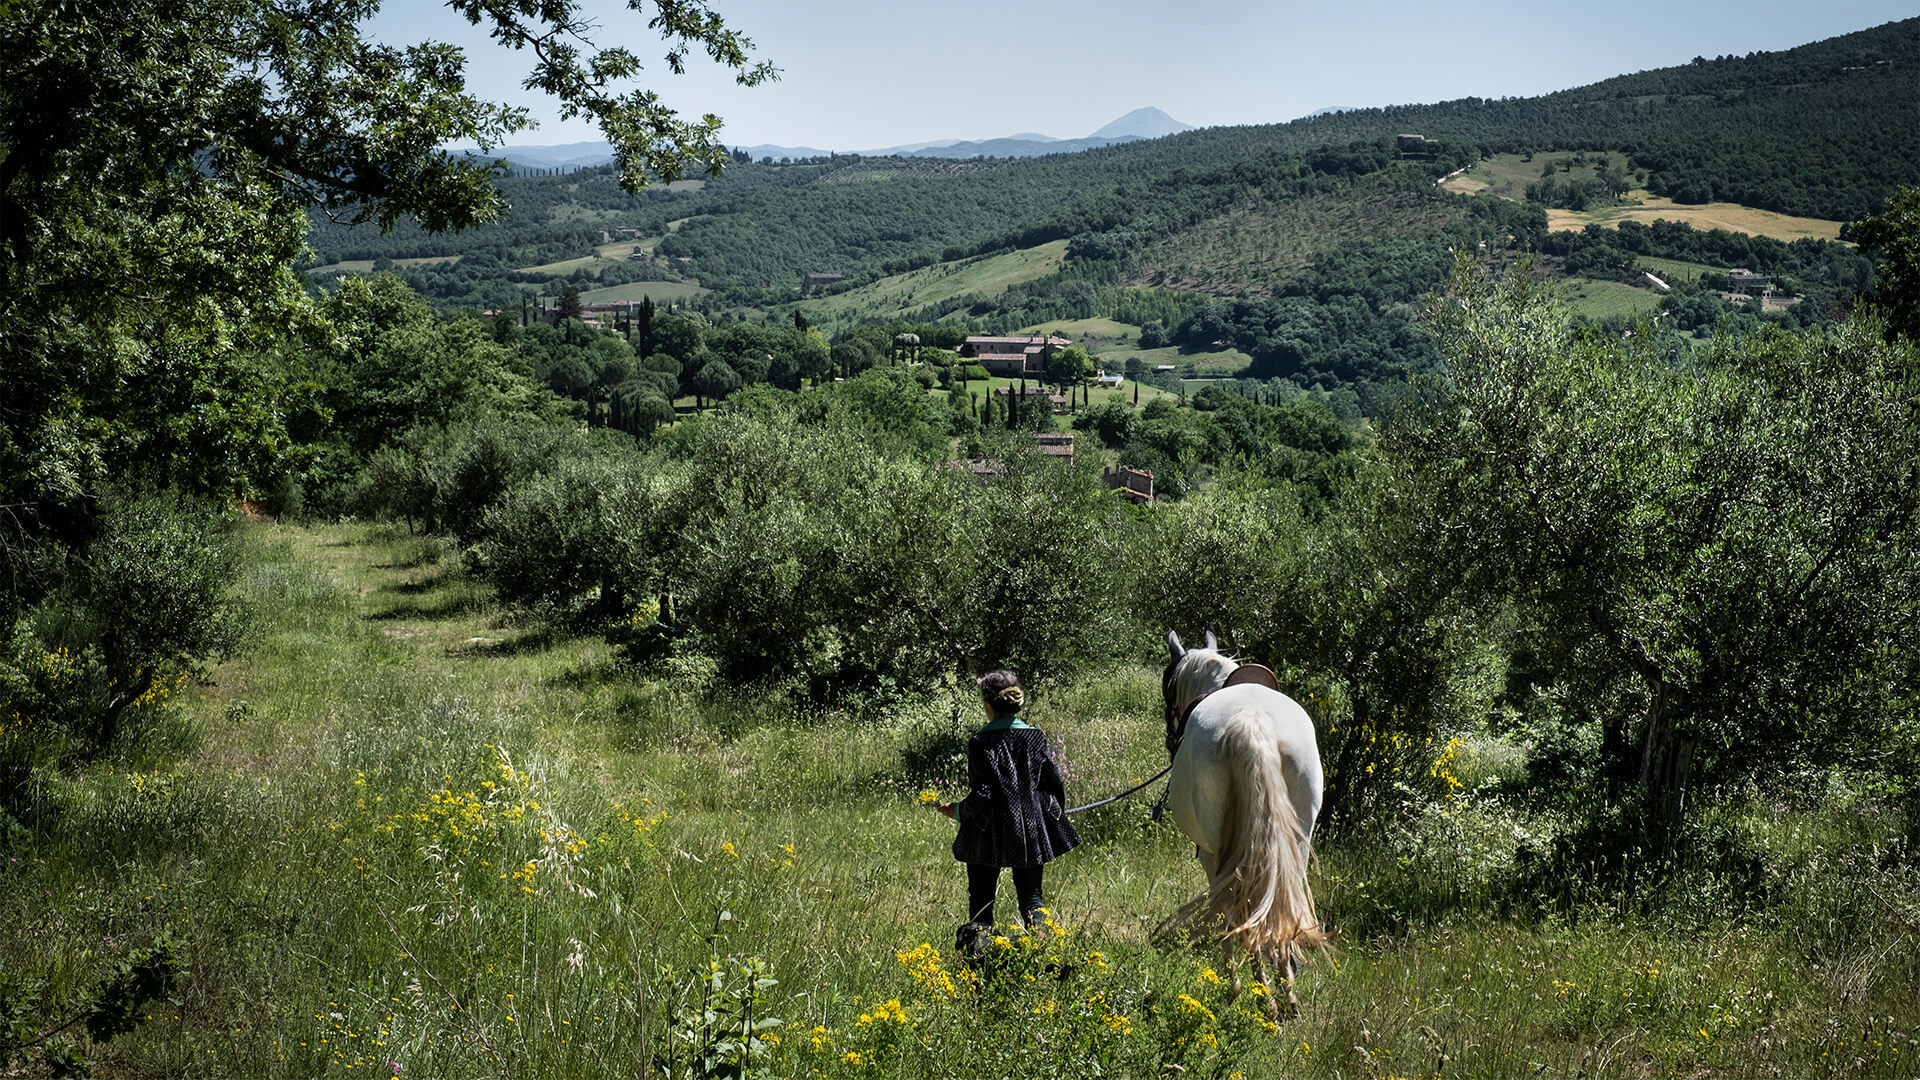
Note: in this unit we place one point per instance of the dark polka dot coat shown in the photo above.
(1015, 812)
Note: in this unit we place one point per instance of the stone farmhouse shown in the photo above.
(1013, 357)
(1133, 485)
(1057, 403)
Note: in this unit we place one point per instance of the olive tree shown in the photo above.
(1722, 544)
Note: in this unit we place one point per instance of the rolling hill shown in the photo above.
(1335, 211)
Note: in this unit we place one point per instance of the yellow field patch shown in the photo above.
(1729, 216)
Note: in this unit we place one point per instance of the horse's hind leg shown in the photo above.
(1292, 968)
(1232, 964)
(1269, 1005)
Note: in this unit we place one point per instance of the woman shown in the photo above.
(1014, 814)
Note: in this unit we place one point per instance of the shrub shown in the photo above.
(144, 604)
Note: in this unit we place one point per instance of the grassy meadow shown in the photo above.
(661, 291)
(1601, 299)
(411, 833)
(986, 275)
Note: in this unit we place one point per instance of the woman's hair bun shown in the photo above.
(1001, 689)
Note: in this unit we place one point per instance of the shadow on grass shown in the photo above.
(536, 640)
(423, 553)
(443, 607)
(935, 758)
(435, 580)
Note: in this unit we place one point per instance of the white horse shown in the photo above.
(1246, 788)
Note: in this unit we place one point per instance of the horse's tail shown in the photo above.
(1259, 889)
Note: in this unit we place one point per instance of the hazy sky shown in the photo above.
(863, 74)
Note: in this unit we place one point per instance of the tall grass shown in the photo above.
(407, 833)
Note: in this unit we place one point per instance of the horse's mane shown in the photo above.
(1199, 673)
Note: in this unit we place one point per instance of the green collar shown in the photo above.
(1005, 723)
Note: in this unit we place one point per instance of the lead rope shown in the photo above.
(1116, 798)
(1160, 805)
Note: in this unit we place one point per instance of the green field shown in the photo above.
(566, 266)
(1601, 299)
(1094, 335)
(1215, 362)
(986, 275)
(1675, 271)
(620, 249)
(636, 290)
(413, 833)
(1507, 175)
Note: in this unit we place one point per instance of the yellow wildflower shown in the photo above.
(1192, 1007)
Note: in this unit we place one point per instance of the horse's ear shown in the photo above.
(1213, 644)
(1174, 646)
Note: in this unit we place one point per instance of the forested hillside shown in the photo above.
(1800, 131)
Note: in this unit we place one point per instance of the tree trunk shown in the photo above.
(1616, 758)
(1666, 766)
(1339, 802)
(106, 730)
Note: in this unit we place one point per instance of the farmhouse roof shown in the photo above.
(1055, 444)
(1025, 341)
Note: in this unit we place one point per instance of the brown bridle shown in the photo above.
(1245, 674)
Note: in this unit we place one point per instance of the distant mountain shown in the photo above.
(1330, 110)
(1147, 123)
(768, 150)
(1014, 146)
(568, 155)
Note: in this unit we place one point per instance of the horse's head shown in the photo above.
(1191, 675)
